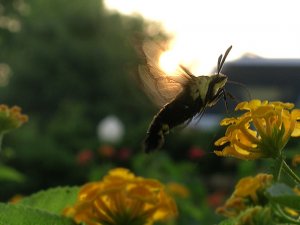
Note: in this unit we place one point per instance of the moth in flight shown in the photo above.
(181, 97)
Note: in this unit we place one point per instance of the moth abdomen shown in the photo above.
(153, 141)
(155, 134)
(178, 111)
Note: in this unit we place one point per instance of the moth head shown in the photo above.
(218, 82)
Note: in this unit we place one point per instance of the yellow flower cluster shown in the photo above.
(247, 193)
(262, 131)
(11, 118)
(122, 198)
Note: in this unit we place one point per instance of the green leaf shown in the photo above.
(228, 222)
(11, 214)
(284, 195)
(53, 200)
(10, 174)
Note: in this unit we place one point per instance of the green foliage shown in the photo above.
(282, 194)
(10, 174)
(19, 214)
(73, 53)
(44, 207)
(228, 222)
(53, 200)
(256, 216)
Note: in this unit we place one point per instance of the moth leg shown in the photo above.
(224, 93)
(231, 96)
(199, 116)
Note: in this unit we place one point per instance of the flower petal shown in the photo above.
(283, 105)
(230, 151)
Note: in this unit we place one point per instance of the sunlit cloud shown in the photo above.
(203, 30)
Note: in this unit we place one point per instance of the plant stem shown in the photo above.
(290, 172)
(284, 216)
(278, 168)
(1, 138)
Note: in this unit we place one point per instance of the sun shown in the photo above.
(169, 62)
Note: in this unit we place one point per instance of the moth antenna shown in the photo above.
(219, 63)
(223, 59)
(241, 85)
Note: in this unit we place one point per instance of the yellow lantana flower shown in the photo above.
(122, 198)
(248, 193)
(262, 131)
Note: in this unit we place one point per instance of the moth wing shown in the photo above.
(160, 87)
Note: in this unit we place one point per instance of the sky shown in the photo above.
(202, 30)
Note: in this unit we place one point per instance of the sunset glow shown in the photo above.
(169, 61)
(203, 30)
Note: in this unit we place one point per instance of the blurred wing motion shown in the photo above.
(160, 87)
(181, 96)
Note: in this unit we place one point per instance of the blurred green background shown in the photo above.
(71, 65)
(68, 65)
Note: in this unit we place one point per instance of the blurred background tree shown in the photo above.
(68, 65)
